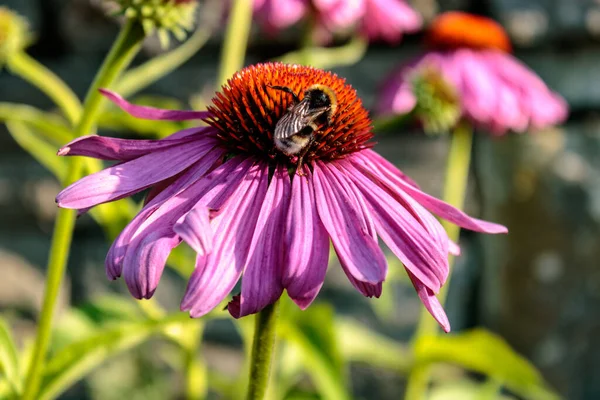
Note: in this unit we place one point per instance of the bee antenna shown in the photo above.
(287, 90)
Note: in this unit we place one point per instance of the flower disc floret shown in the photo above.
(457, 29)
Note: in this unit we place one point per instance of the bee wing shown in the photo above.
(293, 121)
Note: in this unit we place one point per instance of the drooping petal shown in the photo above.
(306, 245)
(216, 274)
(116, 253)
(386, 174)
(130, 177)
(430, 302)
(194, 228)
(479, 85)
(403, 234)
(365, 288)
(145, 112)
(351, 239)
(155, 237)
(261, 282)
(108, 148)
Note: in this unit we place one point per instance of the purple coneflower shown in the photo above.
(470, 73)
(377, 19)
(229, 193)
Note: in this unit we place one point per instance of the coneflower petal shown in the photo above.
(430, 302)
(306, 245)
(261, 281)
(217, 273)
(382, 171)
(152, 113)
(403, 234)
(147, 253)
(132, 176)
(108, 148)
(351, 239)
(194, 228)
(116, 253)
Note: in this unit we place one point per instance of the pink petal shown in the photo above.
(276, 15)
(261, 282)
(155, 237)
(216, 274)
(389, 19)
(353, 242)
(194, 228)
(431, 303)
(306, 245)
(365, 288)
(386, 174)
(402, 233)
(479, 86)
(108, 148)
(130, 177)
(116, 253)
(145, 112)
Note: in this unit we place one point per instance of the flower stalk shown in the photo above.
(236, 39)
(124, 49)
(455, 187)
(262, 351)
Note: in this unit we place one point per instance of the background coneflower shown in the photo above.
(485, 84)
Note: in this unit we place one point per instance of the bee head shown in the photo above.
(321, 96)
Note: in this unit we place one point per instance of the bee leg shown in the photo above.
(299, 170)
(287, 90)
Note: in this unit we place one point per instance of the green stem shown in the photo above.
(143, 76)
(457, 177)
(307, 44)
(196, 385)
(236, 39)
(124, 49)
(262, 351)
(41, 77)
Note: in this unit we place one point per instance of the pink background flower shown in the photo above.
(496, 91)
(384, 20)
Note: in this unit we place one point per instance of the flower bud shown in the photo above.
(161, 16)
(14, 33)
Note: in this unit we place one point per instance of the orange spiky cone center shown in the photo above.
(455, 29)
(247, 110)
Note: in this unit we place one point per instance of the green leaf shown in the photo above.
(330, 57)
(314, 334)
(9, 359)
(75, 360)
(481, 351)
(38, 148)
(360, 344)
(51, 126)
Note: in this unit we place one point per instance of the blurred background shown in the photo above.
(538, 287)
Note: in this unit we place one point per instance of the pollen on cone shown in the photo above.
(247, 109)
(457, 29)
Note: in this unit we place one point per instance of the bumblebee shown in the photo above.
(295, 131)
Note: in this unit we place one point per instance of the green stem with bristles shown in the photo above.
(455, 188)
(262, 351)
(124, 49)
